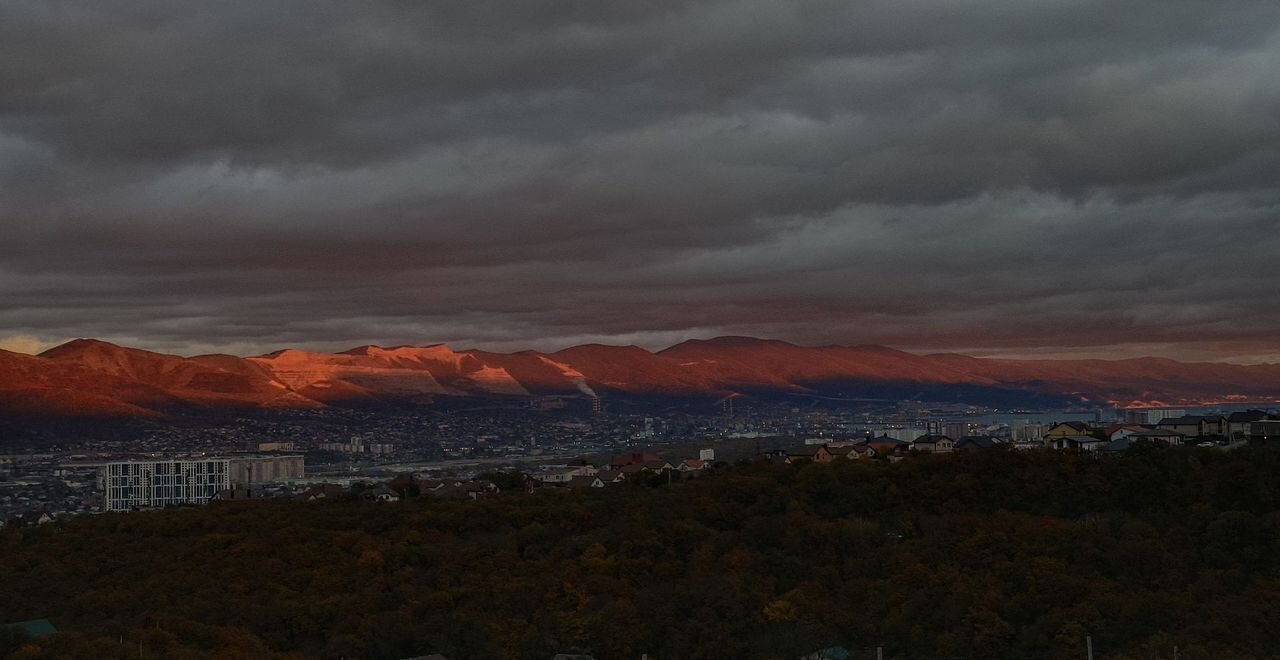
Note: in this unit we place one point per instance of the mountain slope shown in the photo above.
(1139, 381)
(633, 369)
(86, 377)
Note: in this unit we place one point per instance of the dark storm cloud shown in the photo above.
(1004, 175)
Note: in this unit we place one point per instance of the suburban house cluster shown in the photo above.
(576, 474)
(1190, 430)
(881, 446)
(581, 473)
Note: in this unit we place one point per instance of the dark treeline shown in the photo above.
(991, 554)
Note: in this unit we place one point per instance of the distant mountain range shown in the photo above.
(86, 377)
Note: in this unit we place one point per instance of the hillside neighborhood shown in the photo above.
(149, 488)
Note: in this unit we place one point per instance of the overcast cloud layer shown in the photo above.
(1001, 176)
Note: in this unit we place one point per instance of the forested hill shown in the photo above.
(986, 555)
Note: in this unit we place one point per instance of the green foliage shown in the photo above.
(991, 554)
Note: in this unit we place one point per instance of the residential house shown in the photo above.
(322, 492)
(1117, 431)
(380, 493)
(1157, 436)
(611, 476)
(887, 446)
(863, 451)
(575, 468)
(1214, 425)
(1195, 425)
(1080, 442)
(975, 442)
(814, 453)
(1063, 430)
(1188, 425)
(934, 444)
(481, 489)
(559, 476)
(583, 467)
(1240, 424)
(657, 465)
(586, 481)
(428, 486)
(1265, 431)
(844, 451)
(468, 490)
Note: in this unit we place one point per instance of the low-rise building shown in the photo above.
(322, 492)
(1065, 430)
(1149, 416)
(1117, 431)
(845, 451)
(1081, 442)
(934, 444)
(381, 493)
(565, 474)
(975, 442)
(248, 471)
(557, 476)
(1195, 425)
(1240, 424)
(1158, 436)
(467, 490)
(885, 445)
(1265, 431)
(611, 476)
(814, 453)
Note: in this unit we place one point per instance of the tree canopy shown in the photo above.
(990, 554)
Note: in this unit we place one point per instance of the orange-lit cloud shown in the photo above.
(23, 344)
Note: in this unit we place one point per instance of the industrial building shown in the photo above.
(248, 471)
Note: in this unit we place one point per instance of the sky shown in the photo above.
(1095, 178)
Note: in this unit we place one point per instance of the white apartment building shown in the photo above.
(137, 484)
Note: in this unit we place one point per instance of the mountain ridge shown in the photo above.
(90, 377)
